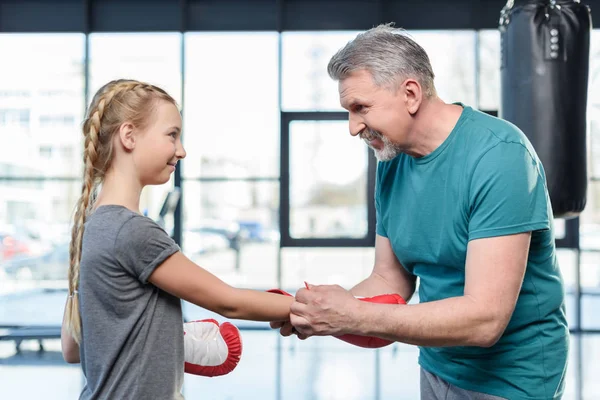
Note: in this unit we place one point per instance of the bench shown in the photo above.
(20, 333)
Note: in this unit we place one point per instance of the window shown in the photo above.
(11, 118)
(231, 229)
(35, 209)
(590, 218)
(328, 181)
(23, 99)
(56, 120)
(231, 113)
(452, 56)
(488, 73)
(327, 266)
(34, 235)
(306, 86)
(154, 58)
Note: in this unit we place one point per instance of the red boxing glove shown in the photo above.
(211, 349)
(369, 342)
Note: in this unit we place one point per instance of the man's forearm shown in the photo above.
(457, 321)
(375, 285)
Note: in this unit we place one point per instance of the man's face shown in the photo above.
(377, 114)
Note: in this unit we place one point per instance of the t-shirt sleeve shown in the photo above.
(379, 228)
(508, 193)
(142, 245)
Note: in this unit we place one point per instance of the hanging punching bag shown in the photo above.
(545, 49)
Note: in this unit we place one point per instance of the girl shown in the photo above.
(123, 317)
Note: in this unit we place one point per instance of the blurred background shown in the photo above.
(274, 191)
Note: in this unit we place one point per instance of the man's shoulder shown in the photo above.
(492, 130)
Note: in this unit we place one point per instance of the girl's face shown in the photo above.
(159, 147)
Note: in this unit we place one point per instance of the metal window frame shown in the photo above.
(287, 117)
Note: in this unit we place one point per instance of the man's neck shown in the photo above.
(434, 122)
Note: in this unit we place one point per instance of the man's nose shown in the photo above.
(356, 125)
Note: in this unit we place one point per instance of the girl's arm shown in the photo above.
(70, 348)
(183, 278)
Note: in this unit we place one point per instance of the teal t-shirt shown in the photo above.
(484, 180)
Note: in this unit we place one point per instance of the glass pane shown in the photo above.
(589, 229)
(452, 56)
(489, 70)
(325, 266)
(305, 82)
(589, 368)
(594, 106)
(305, 55)
(232, 230)
(567, 261)
(41, 106)
(152, 201)
(231, 124)
(594, 142)
(590, 289)
(150, 57)
(573, 369)
(328, 181)
(594, 113)
(594, 78)
(35, 230)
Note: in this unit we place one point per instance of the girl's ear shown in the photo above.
(126, 136)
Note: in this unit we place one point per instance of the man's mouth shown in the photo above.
(374, 143)
(369, 135)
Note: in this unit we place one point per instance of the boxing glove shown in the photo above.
(369, 342)
(211, 349)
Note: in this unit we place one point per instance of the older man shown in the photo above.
(462, 205)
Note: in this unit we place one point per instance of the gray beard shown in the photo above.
(389, 151)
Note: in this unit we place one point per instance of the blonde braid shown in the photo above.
(90, 157)
(97, 155)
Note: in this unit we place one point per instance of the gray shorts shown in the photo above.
(434, 388)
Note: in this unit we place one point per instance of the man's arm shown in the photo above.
(494, 273)
(388, 276)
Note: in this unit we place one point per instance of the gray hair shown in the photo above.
(388, 54)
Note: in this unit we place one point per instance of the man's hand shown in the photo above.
(323, 310)
(285, 327)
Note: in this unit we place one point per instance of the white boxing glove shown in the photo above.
(211, 349)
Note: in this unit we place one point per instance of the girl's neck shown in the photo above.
(120, 190)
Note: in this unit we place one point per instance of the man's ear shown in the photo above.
(126, 136)
(413, 95)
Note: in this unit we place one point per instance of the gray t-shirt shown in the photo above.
(132, 331)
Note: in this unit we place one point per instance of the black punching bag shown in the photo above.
(544, 77)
